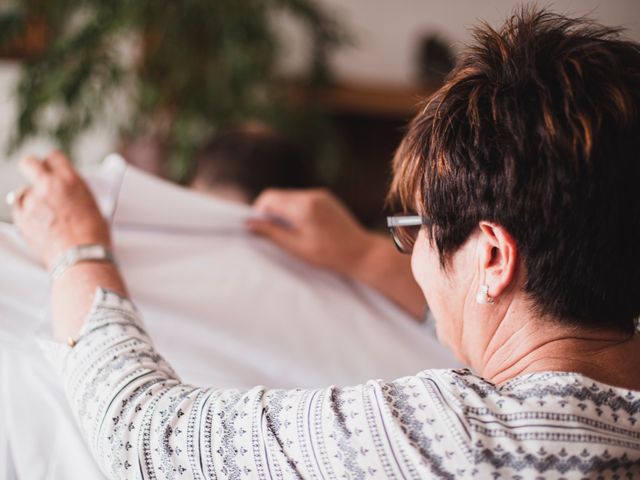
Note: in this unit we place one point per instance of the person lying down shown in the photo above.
(518, 179)
(252, 163)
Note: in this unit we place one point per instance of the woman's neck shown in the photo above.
(524, 344)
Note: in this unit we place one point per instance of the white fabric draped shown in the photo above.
(223, 307)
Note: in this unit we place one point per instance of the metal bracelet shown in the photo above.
(80, 253)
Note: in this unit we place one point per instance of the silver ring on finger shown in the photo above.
(15, 197)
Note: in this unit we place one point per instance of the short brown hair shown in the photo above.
(537, 129)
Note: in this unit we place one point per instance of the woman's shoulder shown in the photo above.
(551, 420)
(465, 384)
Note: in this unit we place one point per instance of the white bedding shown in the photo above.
(225, 309)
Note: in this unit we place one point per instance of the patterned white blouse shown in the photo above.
(142, 423)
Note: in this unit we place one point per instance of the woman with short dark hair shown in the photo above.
(519, 180)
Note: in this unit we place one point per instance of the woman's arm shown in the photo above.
(321, 231)
(73, 293)
(141, 421)
(55, 213)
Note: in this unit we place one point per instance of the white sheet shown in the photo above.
(225, 308)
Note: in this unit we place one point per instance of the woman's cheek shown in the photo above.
(419, 265)
(425, 265)
(435, 286)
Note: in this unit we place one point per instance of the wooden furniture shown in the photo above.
(370, 121)
(29, 43)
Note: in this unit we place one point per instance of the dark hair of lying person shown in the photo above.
(250, 158)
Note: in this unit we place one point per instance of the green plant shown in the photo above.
(186, 67)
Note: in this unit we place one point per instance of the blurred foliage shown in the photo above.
(186, 67)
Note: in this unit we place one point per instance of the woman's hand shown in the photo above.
(57, 211)
(317, 229)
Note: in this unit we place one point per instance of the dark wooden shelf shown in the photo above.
(376, 100)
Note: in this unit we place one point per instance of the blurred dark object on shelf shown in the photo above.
(435, 59)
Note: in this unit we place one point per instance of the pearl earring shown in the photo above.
(483, 296)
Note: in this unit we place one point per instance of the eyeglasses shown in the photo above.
(404, 230)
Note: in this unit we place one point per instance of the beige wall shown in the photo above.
(387, 30)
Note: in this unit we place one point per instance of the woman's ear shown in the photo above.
(498, 257)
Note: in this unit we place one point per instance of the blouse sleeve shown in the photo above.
(141, 421)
